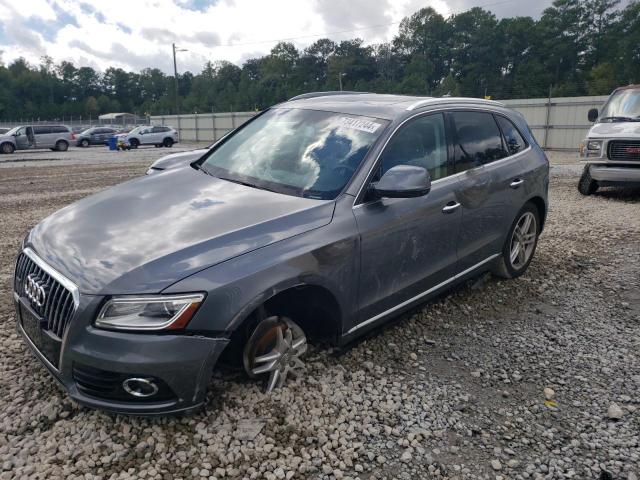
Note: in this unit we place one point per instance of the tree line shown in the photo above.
(577, 47)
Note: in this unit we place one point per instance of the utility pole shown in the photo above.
(175, 72)
(340, 75)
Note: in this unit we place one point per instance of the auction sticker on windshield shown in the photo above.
(362, 125)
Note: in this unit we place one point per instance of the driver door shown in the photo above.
(22, 139)
(408, 245)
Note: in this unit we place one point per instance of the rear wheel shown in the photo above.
(84, 143)
(586, 184)
(62, 146)
(7, 147)
(274, 350)
(520, 244)
(167, 142)
(134, 143)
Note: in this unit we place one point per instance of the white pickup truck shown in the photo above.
(611, 151)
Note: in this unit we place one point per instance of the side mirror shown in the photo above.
(592, 115)
(403, 181)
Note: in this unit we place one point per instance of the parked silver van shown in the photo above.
(611, 151)
(26, 137)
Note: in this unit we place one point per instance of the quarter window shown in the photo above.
(477, 140)
(515, 142)
(421, 143)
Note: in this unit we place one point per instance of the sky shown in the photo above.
(136, 34)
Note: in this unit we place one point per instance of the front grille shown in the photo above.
(58, 305)
(627, 150)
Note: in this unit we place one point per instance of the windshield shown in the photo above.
(12, 131)
(137, 129)
(623, 106)
(88, 131)
(298, 152)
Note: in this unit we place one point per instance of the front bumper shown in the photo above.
(615, 174)
(182, 363)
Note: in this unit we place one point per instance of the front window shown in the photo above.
(306, 153)
(623, 106)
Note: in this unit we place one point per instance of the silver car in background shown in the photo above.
(27, 137)
(611, 151)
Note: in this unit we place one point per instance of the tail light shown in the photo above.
(73, 136)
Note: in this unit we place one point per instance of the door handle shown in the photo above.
(451, 207)
(516, 183)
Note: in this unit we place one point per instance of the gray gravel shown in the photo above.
(535, 378)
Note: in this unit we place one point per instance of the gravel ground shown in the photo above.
(530, 378)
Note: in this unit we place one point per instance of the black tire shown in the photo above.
(167, 142)
(7, 147)
(134, 143)
(586, 184)
(157, 145)
(84, 143)
(62, 146)
(503, 266)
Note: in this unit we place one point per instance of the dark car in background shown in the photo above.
(317, 220)
(95, 136)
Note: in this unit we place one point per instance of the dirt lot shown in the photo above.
(454, 390)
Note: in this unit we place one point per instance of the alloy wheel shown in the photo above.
(523, 240)
(274, 350)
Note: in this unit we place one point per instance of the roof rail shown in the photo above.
(324, 94)
(433, 100)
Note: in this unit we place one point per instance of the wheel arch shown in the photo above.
(310, 305)
(541, 205)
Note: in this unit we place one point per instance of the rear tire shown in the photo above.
(167, 142)
(62, 146)
(586, 184)
(134, 143)
(520, 244)
(7, 148)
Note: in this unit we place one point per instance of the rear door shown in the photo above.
(489, 185)
(42, 136)
(408, 244)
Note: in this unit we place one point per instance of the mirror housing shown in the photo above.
(403, 181)
(592, 116)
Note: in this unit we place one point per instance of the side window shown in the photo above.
(41, 130)
(477, 140)
(421, 143)
(515, 142)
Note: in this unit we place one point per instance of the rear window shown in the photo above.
(477, 140)
(515, 142)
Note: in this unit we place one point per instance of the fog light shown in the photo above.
(140, 387)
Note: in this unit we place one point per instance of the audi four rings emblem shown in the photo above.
(34, 290)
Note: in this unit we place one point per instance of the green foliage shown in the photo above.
(577, 47)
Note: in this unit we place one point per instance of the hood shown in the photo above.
(146, 234)
(177, 159)
(615, 130)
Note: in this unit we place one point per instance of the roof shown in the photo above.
(374, 104)
(113, 116)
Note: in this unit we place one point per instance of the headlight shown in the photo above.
(594, 145)
(154, 312)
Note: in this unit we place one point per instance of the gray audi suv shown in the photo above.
(317, 220)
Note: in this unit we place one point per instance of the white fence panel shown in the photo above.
(558, 123)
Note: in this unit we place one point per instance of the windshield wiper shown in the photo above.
(621, 119)
(246, 184)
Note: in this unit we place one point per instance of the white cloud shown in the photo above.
(138, 34)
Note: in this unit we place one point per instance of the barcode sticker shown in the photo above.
(362, 125)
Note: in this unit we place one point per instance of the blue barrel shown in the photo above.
(113, 143)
